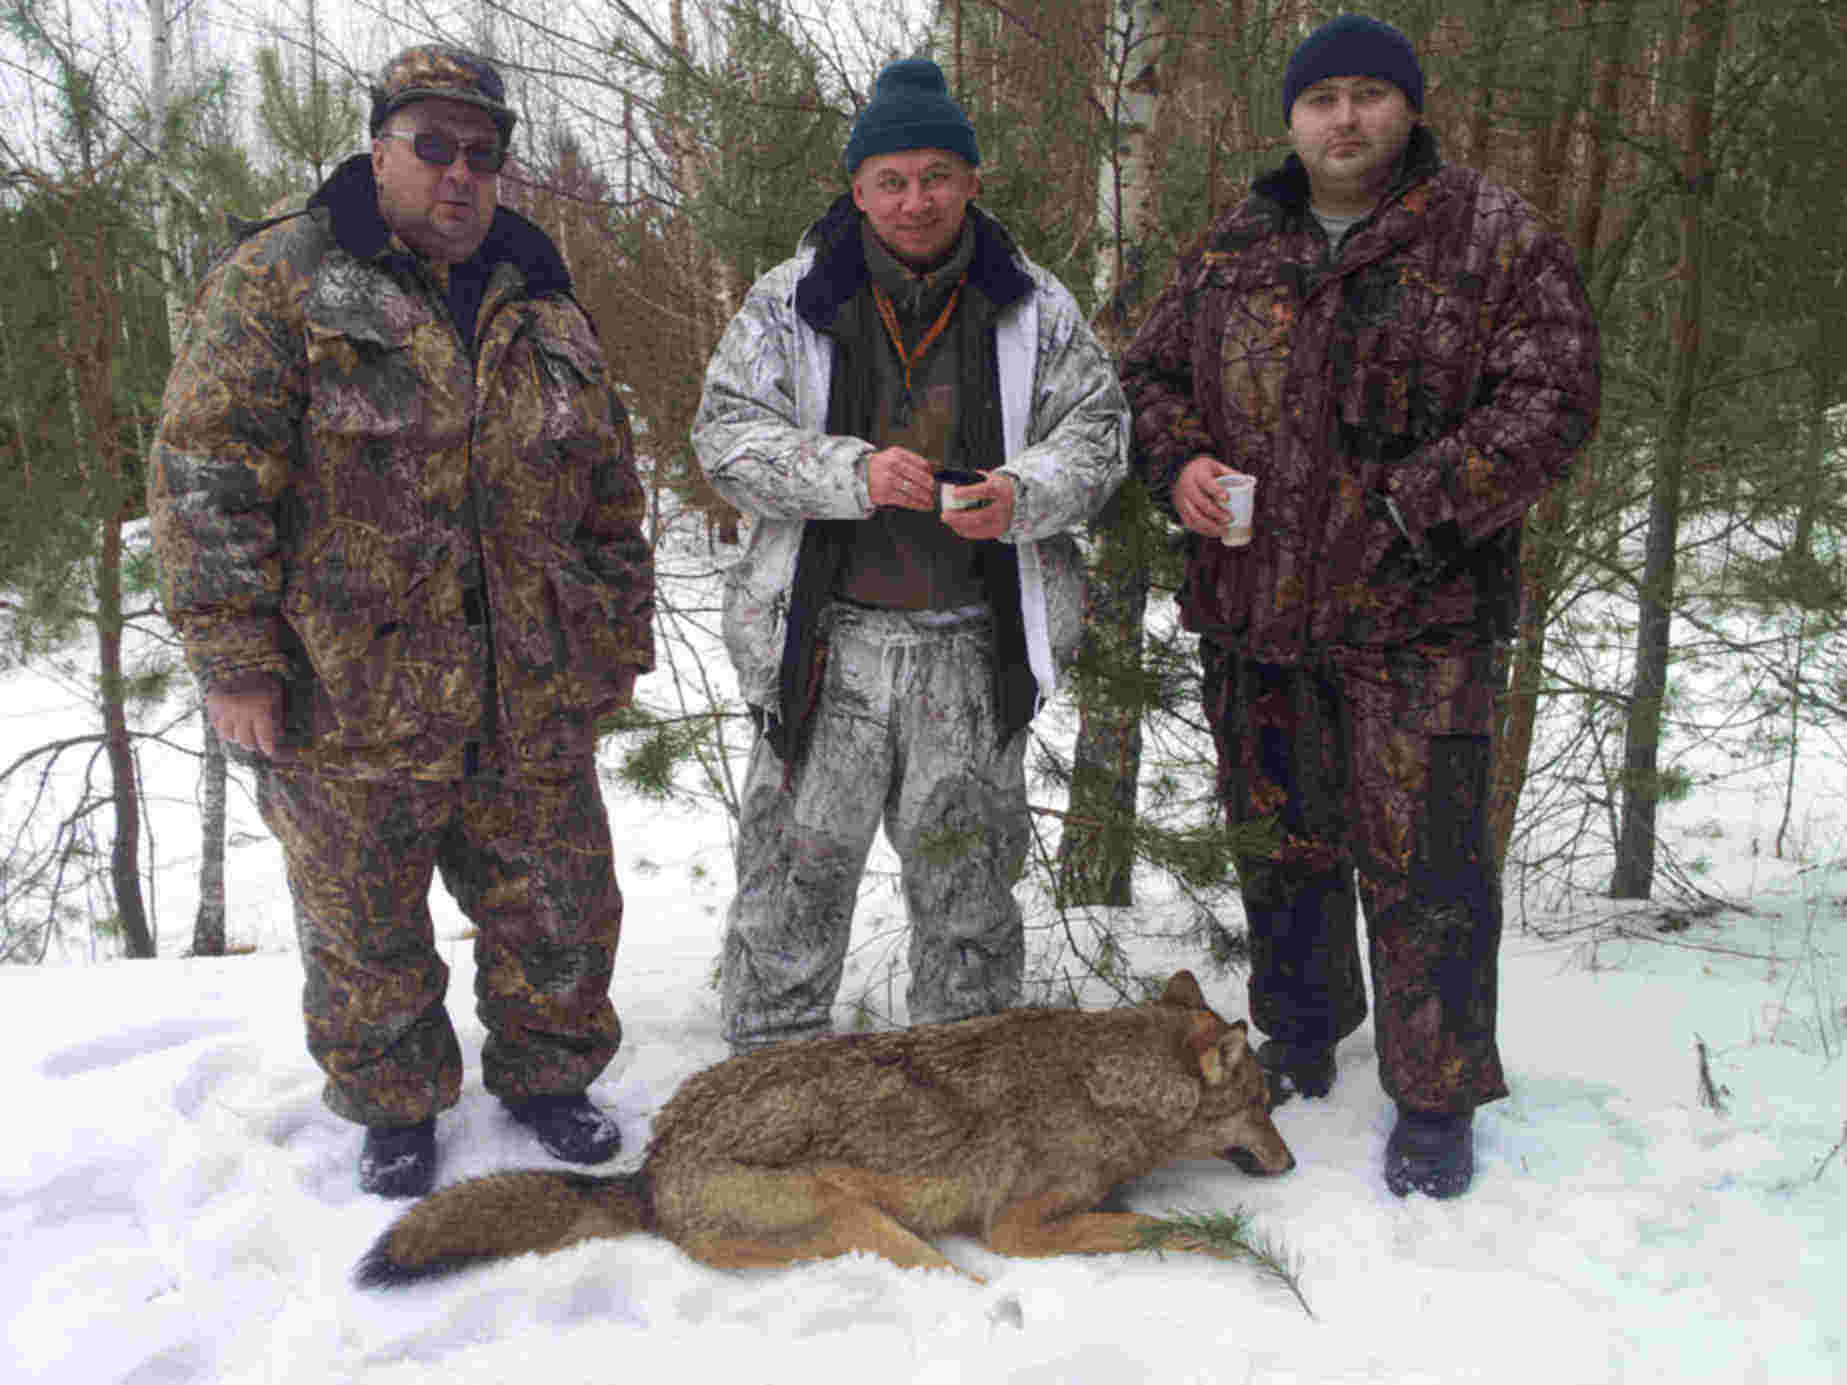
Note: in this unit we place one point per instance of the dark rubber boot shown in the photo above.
(569, 1127)
(1430, 1153)
(398, 1161)
(1296, 1069)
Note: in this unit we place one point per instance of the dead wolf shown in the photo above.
(1011, 1129)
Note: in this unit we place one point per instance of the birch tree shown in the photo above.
(1096, 852)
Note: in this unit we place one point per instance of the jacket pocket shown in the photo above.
(1066, 587)
(564, 660)
(372, 628)
(591, 634)
(546, 430)
(361, 375)
(755, 625)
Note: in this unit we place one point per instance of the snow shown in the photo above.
(177, 1206)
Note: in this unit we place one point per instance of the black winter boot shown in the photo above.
(569, 1127)
(398, 1160)
(1304, 1069)
(1430, 1153)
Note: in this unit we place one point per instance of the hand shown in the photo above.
(1198, 501)
(897, 476)
(249, 719)
(987, 521)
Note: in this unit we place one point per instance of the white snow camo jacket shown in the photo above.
(761, 437)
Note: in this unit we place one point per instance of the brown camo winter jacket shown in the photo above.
(443, 559)
(1447, 362)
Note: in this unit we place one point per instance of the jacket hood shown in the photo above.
(1288, 186)
(839, 266)
(350, 196)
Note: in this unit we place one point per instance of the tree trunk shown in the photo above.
(1633, 877)
(208, 924)
(1617, 18)
(1549, 527)
(1518, 711)
(1096, 853)
(1125, 178)
(86, 341)
(125, 788)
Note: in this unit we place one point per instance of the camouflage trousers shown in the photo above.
(529, 862)
(904, 732)
(1375, 764)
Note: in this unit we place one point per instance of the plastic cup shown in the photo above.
(946, 482)
(1239, 491)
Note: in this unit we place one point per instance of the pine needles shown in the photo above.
(1230, 1236)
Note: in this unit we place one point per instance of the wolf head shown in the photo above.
(1232, 1120)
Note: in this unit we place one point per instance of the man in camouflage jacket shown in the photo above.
(397, 513)
(1404, 358)
(894, 654)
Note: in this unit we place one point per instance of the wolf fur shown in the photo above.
(1011, 1129)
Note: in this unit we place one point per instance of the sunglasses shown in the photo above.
(434, 147)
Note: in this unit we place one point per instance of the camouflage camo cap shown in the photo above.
(435, 70)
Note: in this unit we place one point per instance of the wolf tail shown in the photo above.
(502, 1215)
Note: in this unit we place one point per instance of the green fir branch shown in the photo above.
(1231, 1236)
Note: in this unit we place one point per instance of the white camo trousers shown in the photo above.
(904, 733)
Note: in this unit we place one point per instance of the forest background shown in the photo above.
(1685, 593)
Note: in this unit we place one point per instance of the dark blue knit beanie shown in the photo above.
(910, 109)
(1354, 46)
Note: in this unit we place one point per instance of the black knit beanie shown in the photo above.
(910, 109)
(1354, 46)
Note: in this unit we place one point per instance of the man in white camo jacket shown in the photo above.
(892, 650)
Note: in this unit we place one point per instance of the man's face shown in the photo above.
(443, 213)
(1349, 132)
(915, 201)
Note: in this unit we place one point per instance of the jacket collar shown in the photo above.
(839, 266)
(1288, 186)
(350, 196)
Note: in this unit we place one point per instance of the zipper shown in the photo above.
(491, 307)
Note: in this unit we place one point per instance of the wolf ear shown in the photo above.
(1183, 990)
(1234, 1045)
(1205, 1043)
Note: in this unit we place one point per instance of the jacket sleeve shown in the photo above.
(1537, 404)
(615, 543)
(221, 460)
(1157, 376)
(758, 433)
(1078, 434)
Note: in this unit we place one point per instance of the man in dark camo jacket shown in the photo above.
(396, 508)
(1404, 359)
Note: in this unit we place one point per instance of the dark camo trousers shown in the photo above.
(1376, 764)
(904, 733)
(528, 861)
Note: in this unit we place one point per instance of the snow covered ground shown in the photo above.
(176, 1205)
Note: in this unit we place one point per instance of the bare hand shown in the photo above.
(898, 476)
(252, 720)
(1198, 501)
(987, 521)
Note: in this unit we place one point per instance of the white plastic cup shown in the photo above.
(948, 480)
(1239, 491)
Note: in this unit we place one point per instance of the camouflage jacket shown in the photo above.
(762, 437)
(442, 558)
(1401, 407)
